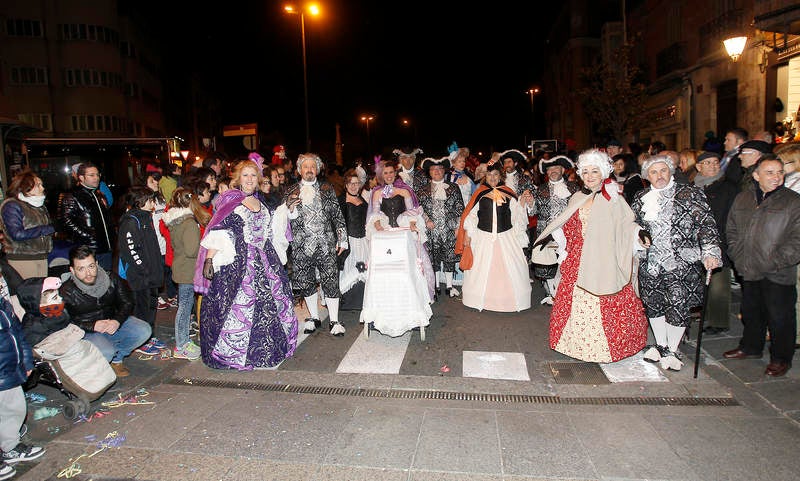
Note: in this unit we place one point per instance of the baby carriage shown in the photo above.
(74, 366)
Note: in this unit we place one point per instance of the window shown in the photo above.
(24, 28)
(29, 76)
(94, 123)
(42, 121)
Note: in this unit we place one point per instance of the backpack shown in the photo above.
(122, 268)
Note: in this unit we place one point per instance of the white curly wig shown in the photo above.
(309, 156)
(654, 159)
(596, 158)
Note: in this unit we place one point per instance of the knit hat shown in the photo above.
(51, 283)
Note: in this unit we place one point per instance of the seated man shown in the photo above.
(100, 303)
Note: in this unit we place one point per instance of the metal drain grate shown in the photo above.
(455, 396)
(578, 373)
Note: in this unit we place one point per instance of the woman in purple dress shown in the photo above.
(247, 317)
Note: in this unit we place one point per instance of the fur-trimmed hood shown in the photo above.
(176, 215)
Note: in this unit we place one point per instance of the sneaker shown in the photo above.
(154, 341)
(148, 349)
(7, 471)
(173, 302)
(162, 304)
(547, 301)
(190, 351)
(120, 370)
(22, 452)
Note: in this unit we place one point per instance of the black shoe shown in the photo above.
(437, 291)
(311, 325)
(714, 330)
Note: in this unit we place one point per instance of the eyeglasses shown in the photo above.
(357, 184)
(91, 267)
(749, 152)
(788, 162)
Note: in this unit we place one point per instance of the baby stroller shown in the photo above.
(74, 366)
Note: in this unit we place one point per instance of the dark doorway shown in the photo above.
(726, 107)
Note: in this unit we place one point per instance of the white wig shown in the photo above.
(597, 158)
(654, 159)
(309, 156)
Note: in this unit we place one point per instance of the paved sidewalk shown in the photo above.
(305, 421)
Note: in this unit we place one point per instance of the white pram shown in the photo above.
(396, 297)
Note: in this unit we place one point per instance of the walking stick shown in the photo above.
(700, 325)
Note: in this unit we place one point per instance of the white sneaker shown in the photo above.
(652, 354)
(453, 292)
(309, 326)
(671, 362)
(547, 301)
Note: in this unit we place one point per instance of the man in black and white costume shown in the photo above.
(413, 177)
(442, 205)
(549, 200)
(682, 242)
(319, 235)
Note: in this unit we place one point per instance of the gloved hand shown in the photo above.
(544, 241)
(645, 237)
(208, 269)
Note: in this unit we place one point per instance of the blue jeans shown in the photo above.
(183, 316)
(131, 334)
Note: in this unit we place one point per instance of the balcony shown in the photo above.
(714, 32)
(777, 16)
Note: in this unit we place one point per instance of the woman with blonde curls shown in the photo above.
(247, 314)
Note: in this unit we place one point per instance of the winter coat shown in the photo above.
(139, 250)
(86, 219)
(185, 238)
(720, 195)
(84, 310)
(16, 357)
(29, 232)
(36, 326)
(764, 239)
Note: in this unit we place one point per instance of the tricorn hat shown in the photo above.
(561, 160)
(429, 162)
(513, 154)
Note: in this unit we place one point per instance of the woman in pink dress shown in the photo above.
(597, 314)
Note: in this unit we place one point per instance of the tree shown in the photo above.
(613, 95)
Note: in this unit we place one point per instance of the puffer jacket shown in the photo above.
(764, 239)
(84, 310)
(139, 250)
(36, 326)
(29, 232)
(185, 238)
(16, 357)
(86, 219)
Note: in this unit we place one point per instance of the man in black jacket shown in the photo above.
(100, 303)
(85, 217)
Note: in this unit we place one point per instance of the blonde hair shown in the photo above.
(237, 173)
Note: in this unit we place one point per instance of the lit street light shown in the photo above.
(407, 123)
(367, 119)
(532, 91)
(313, 9)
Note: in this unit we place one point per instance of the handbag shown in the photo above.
(466, 259)
(545, 254)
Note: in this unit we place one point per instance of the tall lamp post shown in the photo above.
(532, 91)
(313, 9)
(367, 119)
(407, 123)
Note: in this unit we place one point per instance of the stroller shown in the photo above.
(74, 366)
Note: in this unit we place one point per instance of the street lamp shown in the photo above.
(407, 123)
(313, 9)
(532, 91)
(367, 119)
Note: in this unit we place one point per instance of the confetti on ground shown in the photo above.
(444, 369)
(95, 415)
(45, 412)
(129, 400)
(35, 397)
(112, 440)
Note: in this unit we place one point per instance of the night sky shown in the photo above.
(456, 72)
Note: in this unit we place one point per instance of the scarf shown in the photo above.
(34, 200)
(101, 284)
(702, 181)
(559, 189)
(52, 310)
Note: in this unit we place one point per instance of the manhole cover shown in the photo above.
(578, 373)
